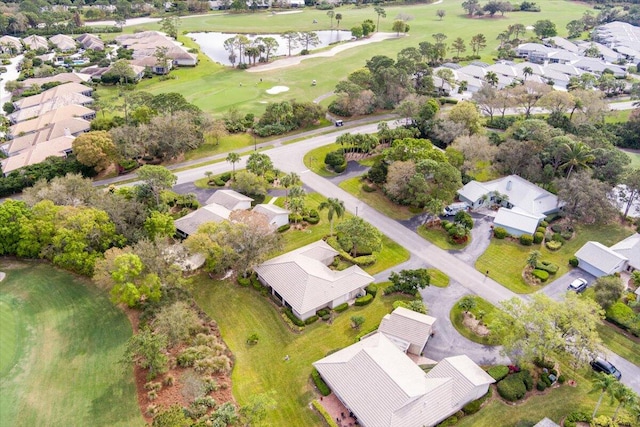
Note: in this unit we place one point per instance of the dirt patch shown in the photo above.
(475, 325)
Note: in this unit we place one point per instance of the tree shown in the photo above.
(368, 27)
(129, 284)
(478, 42)
(159, 225)
(604, 384)
(333, 206)
(309, 38)
(440, 13)
(250, 184)
(543, 329)
(259, 163)
(466, 113)
(545, 28)
(146, 349)
(169, 25)
(11, 214)
(331, 14)
(357, 321)
(582, 196)
(576, 155)
(173, 134)
(575, 28)
(95, 149)
(218, 130)
(471, 6)
(119, 72)
(291, 38)
(399, 27)
(467, 303)
(492, 6)
(155, 179)
(624, 395)
(459, 46)
(233, 158)
(381, 13)
(409, 281)
(338, 19)
(361, 235)
(446, 76)
(270, 46)
(533, 258)
(527, 95)
(177, 322)
(608, 290)
(291, 179)
(631, 193)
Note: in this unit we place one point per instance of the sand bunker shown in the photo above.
(277, 89)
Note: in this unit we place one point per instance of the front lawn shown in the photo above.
(241, 312)
(484, 311)
(438, 278)
(439, 237)
(505, 259)
(376, 200)
(620, 344)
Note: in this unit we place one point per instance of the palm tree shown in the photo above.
(624, 395)
(338, 19)
(333, 206)
(380, 11)
(604, 383)
(233, 158)
(289, 180)
(331, 14)
(527, 71)
(492, 78)
(576, 155)
(534, 257)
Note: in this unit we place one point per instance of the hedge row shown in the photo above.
(515, 386)
(540, 274)
(623, 316)
(547, 266)
(365, 300)
(292, 317)
(342, 307)
(323, 388)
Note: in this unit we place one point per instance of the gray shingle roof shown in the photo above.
(229, 199)
(629, 248)
(271, 211)
(517, 219)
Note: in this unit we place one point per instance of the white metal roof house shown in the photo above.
(599, 260)
(383, 387)
(276, 215)
(302, 280)
(630, 249)
(510, 191)
(231, 200)
(190, 223)
(408, 329)
(516, 221)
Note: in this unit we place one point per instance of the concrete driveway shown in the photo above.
(558, 287)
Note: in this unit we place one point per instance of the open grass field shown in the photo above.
(635, 158)
(390, 255)
(216, 89)
(505, 259)
(61, 341)
(241, 312)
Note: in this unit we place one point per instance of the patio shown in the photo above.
(338, 411)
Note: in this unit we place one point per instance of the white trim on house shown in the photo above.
(516, 221)
(599, 260)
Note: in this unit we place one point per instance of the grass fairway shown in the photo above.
(506, 259)
(241, 312)
(61, 342)
(215, 88)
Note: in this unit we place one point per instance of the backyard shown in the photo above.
(61, 342)
(505, 259)
(261, 368)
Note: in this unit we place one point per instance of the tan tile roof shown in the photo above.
(54, 92)
(35, 42)
(55, 130)
(13, 41)
(62, 78)
(52, 104)
(38, 153)
(63, 42)
(46, 119)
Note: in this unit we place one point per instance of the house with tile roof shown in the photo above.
(35, 42)
(59, 147)
(60, 78)
(63, 42)
(382, 387)
(410, 330)
(90, 41)
(67, 127)
(302, 280)
(50, 117)
(10, 44)
(49, 105)
(53, 93)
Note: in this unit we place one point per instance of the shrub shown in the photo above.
(540, 274)
(364, 260)
(244, 281)
(365, 300)
(327, 417)
(573, 261)
(566, 235)
(557, 237)
(498, 372)
(545, 364)
(326, 317)
(553, 245)
(472, 407)
(292, 317)
(538, 237)
(541, 385)
(342, 307)
(603, 421)
(547, 266)
(311, 320)
(562, 379)
(451, 421)
(368, 189)
(225, 176)
(544, 224)
(512, 388)
(313, 220)
(322, 312)
(576, 417)
(372, 289)
(541, 230)
(556, 228)
(622, 315)
(334, 158)
(526, 240)
(500, 233)
(526, 378)
(340, 168)
(284, 228)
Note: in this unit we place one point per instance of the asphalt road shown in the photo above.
(465, 279)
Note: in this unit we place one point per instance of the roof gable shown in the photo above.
(228, 198)
(629, 248)
(517, 219)
(407, 325)
(600, 256)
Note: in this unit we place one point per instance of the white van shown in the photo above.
(454, 208)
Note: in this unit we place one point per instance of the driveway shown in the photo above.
(558, 287)
(480, 239)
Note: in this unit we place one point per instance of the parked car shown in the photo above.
(601, 365)
(454, 208)
(579, 285)
(339, 123)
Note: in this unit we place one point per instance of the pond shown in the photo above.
(212, 44)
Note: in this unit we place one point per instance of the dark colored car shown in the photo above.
(578, 285)
(601, 365)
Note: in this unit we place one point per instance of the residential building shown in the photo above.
(408, 329)
(53, 93)
(599, 260)
(61, 78)
(517, 222)
(50, 117)
(302, 280)
(35, 42)
(67, 127)
(230, 199)
(90, 41)
(60, 147)
(10, 44)
(63, 42)
(49, 105)
(277, 216)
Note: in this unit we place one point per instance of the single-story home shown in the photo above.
(231, 200)
(410, 330)
(60, 147)
(302, 280)
(630, 249)
(517, 221)
(189, 224)
(50, 117)
(10, 44)
(54, 92)
(90, 41)
(61, 78)
(35, 42)
(63, 42)
(508, 192)
(383, 387)
(67, 127)
(49, 105)
(276, 215)
(599, 260)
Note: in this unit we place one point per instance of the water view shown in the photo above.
(212, 44)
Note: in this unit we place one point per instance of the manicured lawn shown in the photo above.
(505, 259)
(61, 342)
(228, 143)
(376, 199)
(619, 344)
(390, 255)
(314, 159)
(618, 116)
(635, 158)
(215, 88)
(439, 237)
(484, 308)
(438, 278)
(240, 312)
(554, 404)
